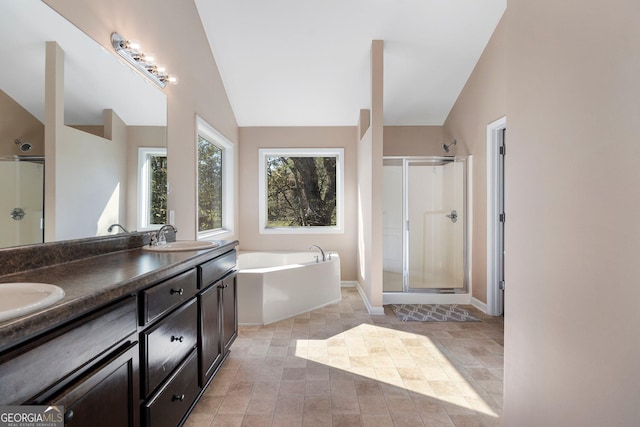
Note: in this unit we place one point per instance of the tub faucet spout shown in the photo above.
(324, 257)
(112, 226)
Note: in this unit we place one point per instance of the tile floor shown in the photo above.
(339, 366)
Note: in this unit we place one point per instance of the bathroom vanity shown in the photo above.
(135, 341)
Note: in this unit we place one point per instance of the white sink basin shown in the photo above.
(19, 299)
(181, 245)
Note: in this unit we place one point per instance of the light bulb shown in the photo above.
(149, 58)
(172, 80)
(133, 45)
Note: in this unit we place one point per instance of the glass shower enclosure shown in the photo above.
(424, 220)
(21, 200)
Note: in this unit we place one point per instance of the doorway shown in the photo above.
(424, 220)
(496, 215)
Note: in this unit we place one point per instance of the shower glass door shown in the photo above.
(436, 218)
(424, 221)
(393, 226)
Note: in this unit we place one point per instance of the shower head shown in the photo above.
(446, 147)
(24, 146)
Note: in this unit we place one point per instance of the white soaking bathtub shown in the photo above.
(278, 284)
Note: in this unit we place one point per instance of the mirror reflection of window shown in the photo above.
(152, 191)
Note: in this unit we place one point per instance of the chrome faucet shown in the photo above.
(112, 226)
(159, 238)
(324, 257)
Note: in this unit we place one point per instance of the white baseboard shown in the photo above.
(348, 284)
(479, 304)
(373, 310)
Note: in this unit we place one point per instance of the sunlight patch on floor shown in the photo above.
(401, 359)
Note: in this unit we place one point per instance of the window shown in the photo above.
(152, 187)
(301, 190)
(215, 182)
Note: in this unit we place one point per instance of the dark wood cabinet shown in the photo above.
(209, 328)
(184, 343)
(229, 314)
(218, 320)
(167, 295)
(167, 343)
(172, 401)
(144, 358)
(44, 365)
(107, 396)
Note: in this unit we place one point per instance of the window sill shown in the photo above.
(215, 235)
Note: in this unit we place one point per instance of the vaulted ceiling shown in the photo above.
(304, 63)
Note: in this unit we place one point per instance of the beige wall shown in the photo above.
(482, 101)
(364, 194)
(188, 56)
(370, 200)
(16, 122)
(413, 141)
(572, 340)
(254, 138)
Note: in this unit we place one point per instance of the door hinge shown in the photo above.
(502, 217)
(501, 285)
(407, 225)
(503, 150)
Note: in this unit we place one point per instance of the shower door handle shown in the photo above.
(453, 216)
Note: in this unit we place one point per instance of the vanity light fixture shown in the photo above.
(144, 63)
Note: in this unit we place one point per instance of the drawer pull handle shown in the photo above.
(179, 397)
(174, 338)
(177, 291)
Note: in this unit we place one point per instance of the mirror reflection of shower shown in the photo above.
(21, 200)
(24, 146)
(446, 147)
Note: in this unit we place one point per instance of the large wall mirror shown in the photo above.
(76, 181)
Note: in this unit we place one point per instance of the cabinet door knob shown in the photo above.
(68, 416)
(179, 397)
(177, 291)
(174, 338)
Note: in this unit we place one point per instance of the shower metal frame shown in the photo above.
(405, 223)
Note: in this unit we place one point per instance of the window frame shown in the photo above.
(208, 132)
(144, 199)
(263, 153)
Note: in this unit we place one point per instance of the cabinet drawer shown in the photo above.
(171, 293)
(167, 343)
(213, 270)
(37, 366)
(172, 402)
(105, 397)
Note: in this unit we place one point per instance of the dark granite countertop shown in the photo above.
(94, 282)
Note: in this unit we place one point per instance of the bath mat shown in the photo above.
(432, 313)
